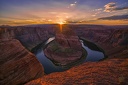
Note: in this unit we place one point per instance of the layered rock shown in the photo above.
(28, 36)
(65, 49)
(61, 55)
(17, 65)
(68, 39)
(112, 71)
(113, 39)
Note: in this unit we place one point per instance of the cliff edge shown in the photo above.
(17, 65)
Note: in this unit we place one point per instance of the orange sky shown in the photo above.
(23, 12)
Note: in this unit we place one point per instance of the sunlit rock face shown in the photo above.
(65, 49)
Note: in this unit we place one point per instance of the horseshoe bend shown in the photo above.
(20, 64)
(65, 49)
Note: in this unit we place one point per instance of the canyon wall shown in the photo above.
(17, 65)
(28, 36)
(112, 71)
(112, 40)
(104, 36)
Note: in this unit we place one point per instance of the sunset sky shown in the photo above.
(22, 12)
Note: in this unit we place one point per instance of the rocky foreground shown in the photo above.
(19, 66)
(108, 72)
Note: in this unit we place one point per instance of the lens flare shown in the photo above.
(61, 25)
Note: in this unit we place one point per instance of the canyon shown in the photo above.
(19, 66)
(65, 49)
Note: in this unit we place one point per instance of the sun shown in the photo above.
(61, 23)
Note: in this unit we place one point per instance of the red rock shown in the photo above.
(108, 72)
(60, 38)
(28, 36)
(17, 65)
(63, 58)
(112, 71)
(68, 39)
(57, 50)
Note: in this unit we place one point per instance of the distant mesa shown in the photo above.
(65, 49)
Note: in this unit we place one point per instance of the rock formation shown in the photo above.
(113, 39)
(112, 71)
(65, 49)
(68, 39)
(17, 65)
(28, 36)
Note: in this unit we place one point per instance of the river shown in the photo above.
(93, 55)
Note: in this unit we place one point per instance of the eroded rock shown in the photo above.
(17, 65)
(65, 49)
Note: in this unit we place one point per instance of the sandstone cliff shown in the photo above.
(28, 36)
(112, 39)
(17, 65)
(112, 71)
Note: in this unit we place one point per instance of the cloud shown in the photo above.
(73, 4)
(116, 17)
(113, 7)
(122, 8)
(94, 15)
(100, 9)
(110, 6)
(53, 12)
